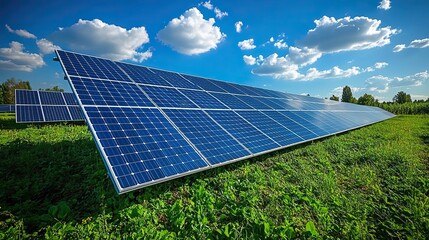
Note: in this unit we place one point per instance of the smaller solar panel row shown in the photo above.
(7, 108)
(45, 106)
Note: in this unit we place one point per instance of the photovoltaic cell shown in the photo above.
(152, 125)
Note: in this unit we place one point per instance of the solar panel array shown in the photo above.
(152, 125)
(7, 108)
(45, 106)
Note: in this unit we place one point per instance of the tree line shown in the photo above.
(401, 102)
(7, 89)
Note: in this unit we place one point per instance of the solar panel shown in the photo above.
(7, 108)
(152, 125)
(46, 106)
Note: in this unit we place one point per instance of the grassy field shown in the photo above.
(369, 183)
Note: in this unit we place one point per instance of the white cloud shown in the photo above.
(377, 65)
(219, 13)
(399, 48)
(329, 36)
(105, 40)
(15, 59)
(21, 32)
(249, 59)
(191, 34)
(418, 43)
(303, 56)
(346, 34)
(334, 72)
(384, 5)
(46, 46)
(238, 26)
(382, 84)
(280, 44)
(419, 97)
(207, 5)
(287, 67)
(246, 44)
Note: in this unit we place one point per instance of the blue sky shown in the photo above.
(316, 47)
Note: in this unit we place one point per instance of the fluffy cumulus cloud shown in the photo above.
(246, 44)
(280, 44)
(384, 5)
(46, 46)
(418, 43)
(382, 84)
(207, 5)
(21, 32)
(288, 67)
(191, 34)
(15, 59)
(219, 14)
(377, 65)
(329, 36)
(238, 26)
(105, 40)
(346, 34)
(249, 59)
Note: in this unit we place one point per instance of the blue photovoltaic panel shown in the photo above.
(231, 101)
(175, 79)
(76, 113)
(141, 146)
(152, 125)
(26, 97)
(56, 113)
(51, 98)
(143, 75)
(208, 137)
(204, 83)
(253, 102)
(291, 125)
(28, 114)
(70, 99)
(7, 108)
(168, 97)
(109, 93)
(253, 139)
(203, 99)
(45, 106)
(275, 130)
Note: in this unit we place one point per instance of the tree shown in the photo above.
(402, 97)
(54, 89)
(347, 94)
(8, 89)
(334, 98)
(366, 99)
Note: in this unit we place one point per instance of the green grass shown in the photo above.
(369, 183)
